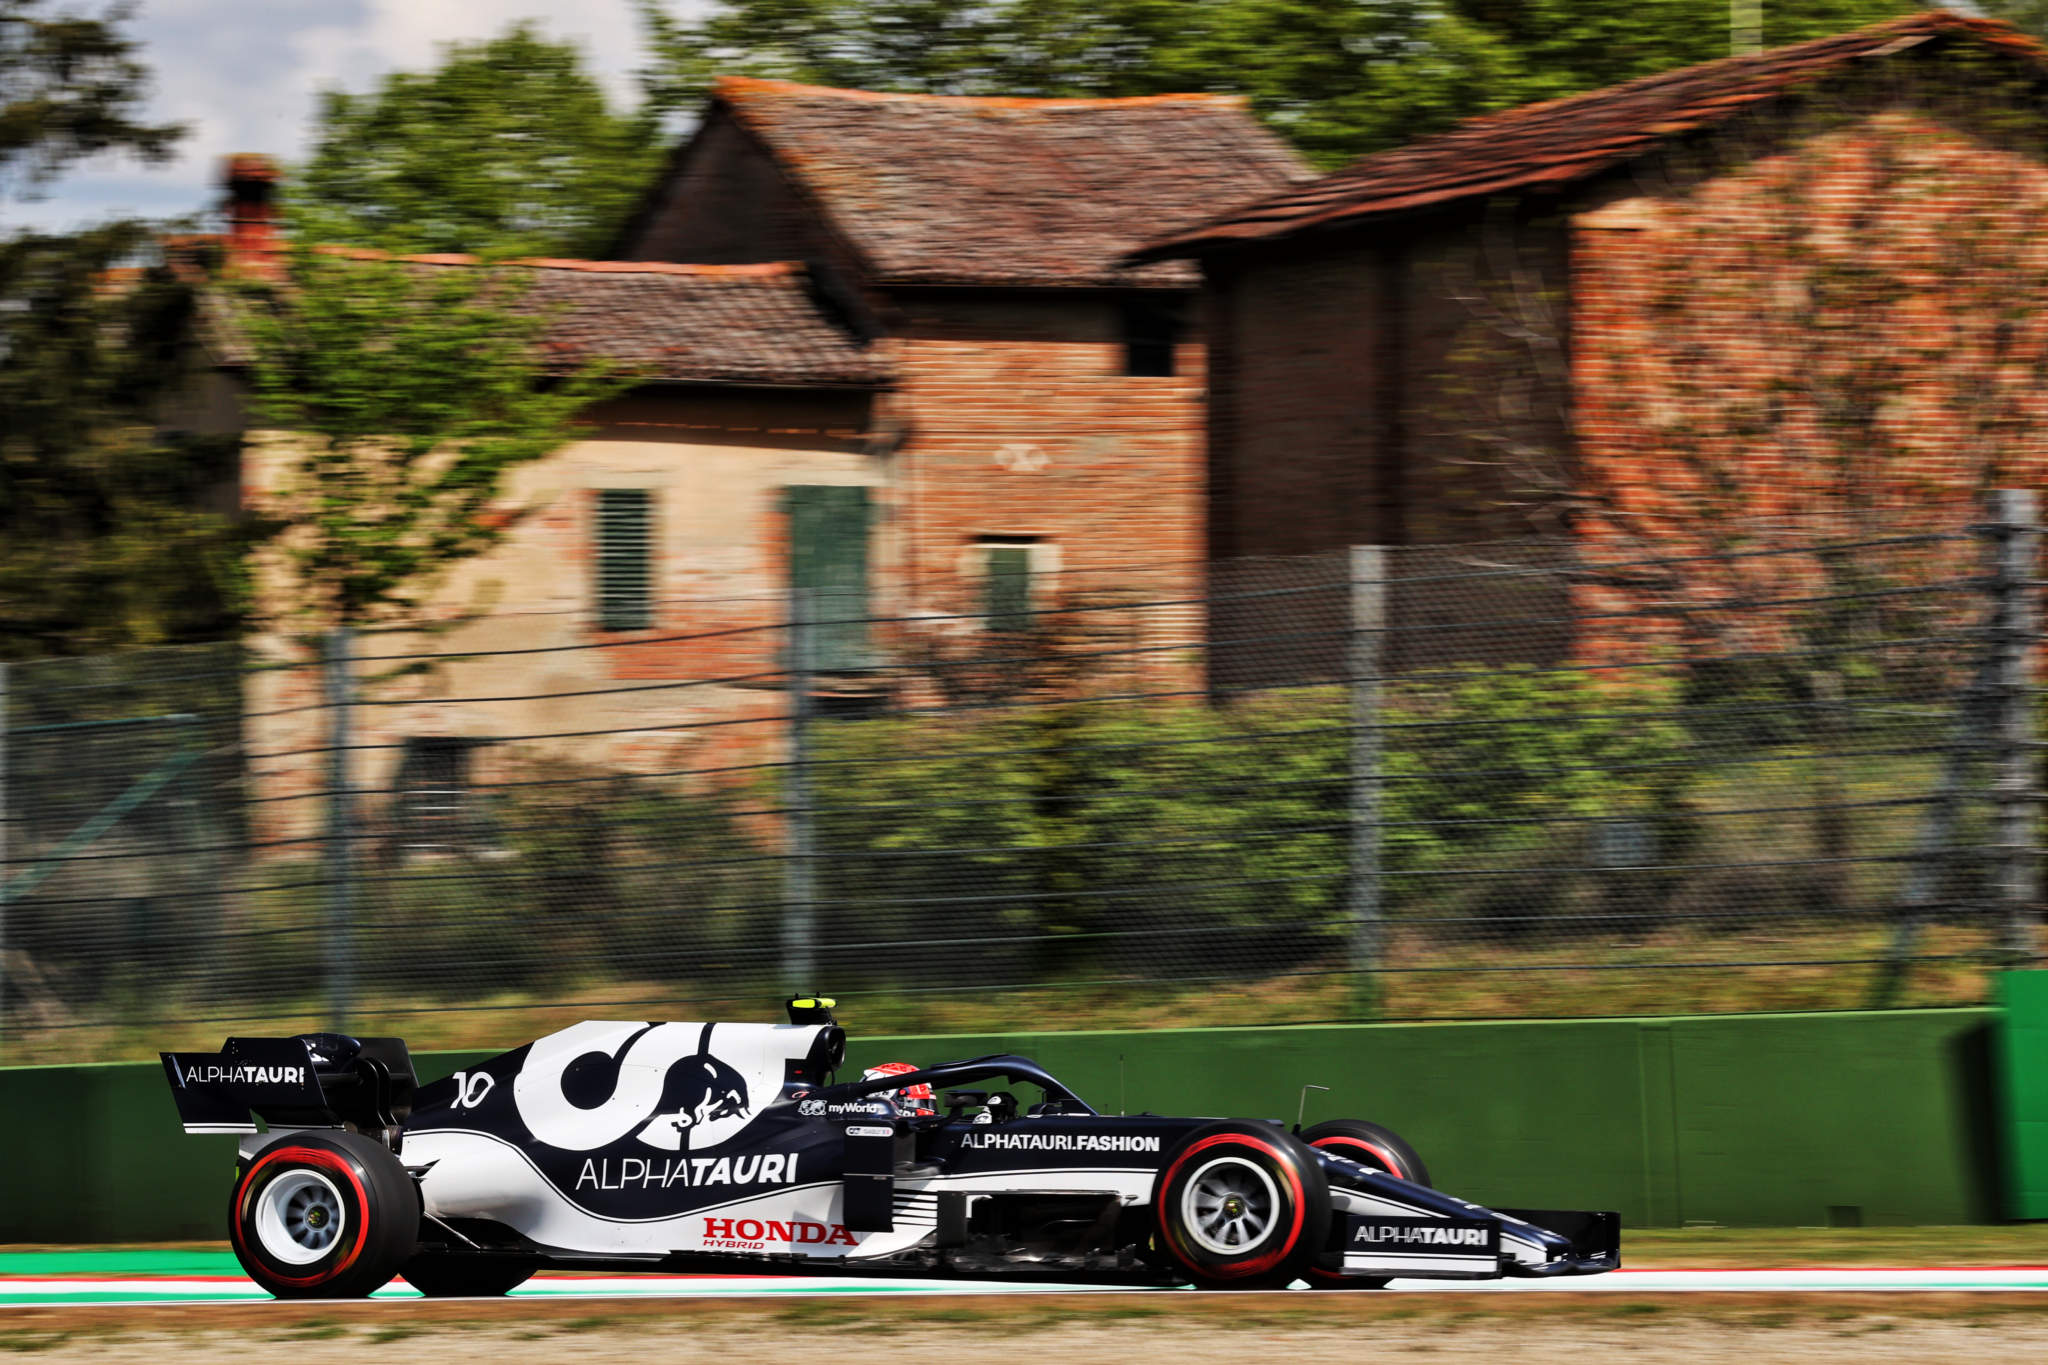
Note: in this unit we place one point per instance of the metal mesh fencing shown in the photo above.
(1427, 782)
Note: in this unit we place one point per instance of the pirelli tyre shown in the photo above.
(1368, 1144)
(1241, 1206)
(440, 1275)
(324, 1215)
(1376, 1148)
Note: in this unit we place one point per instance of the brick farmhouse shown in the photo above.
(889, 353)
(1047, 397)
(1802, 289)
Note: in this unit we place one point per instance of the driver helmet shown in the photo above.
(913, 1101)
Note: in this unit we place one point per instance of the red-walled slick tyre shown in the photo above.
(1241, 1206)
(1371, 1146)
(324, 1215)
(1375, 1148)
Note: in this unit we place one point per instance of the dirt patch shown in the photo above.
(1705, 1329)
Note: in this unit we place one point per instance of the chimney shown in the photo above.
(250, 180)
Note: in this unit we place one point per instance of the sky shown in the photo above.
(243, 76)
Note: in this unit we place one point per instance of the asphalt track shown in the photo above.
(52, 1279)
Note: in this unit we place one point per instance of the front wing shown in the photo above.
(1482, 1244)
(1387, 1228)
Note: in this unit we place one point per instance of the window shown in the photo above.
(625, 558)
(436, 808)
(1006, 586)
(1151, 329)
(828, 556)
(1012, 576)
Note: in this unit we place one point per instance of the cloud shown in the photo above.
(391, 34)
(244, 78)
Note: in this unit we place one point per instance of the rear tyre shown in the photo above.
(1241, 1206)
(1377, 1149)
(442, 1276)
(324, 1215)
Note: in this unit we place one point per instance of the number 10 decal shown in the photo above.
(471, 1087)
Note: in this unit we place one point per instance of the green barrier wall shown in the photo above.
(1756, 1120)
(2023, 1064)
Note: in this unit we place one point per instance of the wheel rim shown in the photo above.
(299, 1217)
(1229, 1206)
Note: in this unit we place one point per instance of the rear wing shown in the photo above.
(315, 1080)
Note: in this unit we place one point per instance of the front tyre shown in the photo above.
(328, 1215)
(439, 1275)
(1241, 1206)
(1377, 1149)
(1371, 1146)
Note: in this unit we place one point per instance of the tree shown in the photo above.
(70, 87)
(393, 398)
(1337, 77)
(114, 529)
(2031, 15)
(508, 146)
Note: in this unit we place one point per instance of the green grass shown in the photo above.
(1767, 1248)
(314, 1329)
(594, 1323)
(1584, 978)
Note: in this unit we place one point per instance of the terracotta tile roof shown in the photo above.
(730, 324)
(951, 190)
(1549, 145)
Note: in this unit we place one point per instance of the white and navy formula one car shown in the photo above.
(728, 1147)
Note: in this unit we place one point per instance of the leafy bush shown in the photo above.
(933, 833)
(1187, 837)
(1040, 842)
(635, 877)
(1517, 796)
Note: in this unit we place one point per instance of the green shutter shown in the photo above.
(828, 554)
(625, 558)
(1006, 587)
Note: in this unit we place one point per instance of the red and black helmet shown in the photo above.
(913, 1100)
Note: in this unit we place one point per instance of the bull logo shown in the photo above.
(700, 1091)
(594, 1084)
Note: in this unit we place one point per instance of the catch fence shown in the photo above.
(1404, 782)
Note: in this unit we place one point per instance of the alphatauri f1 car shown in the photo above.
(729, 1147)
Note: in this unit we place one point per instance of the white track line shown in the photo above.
(1847, 1279)
(29, 1292)
(22, 1292)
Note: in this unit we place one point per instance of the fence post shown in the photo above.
(2018, 534)
(1364, 664)
(337, 676)
(799, 889)
(1831, 841)
(6, 870)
